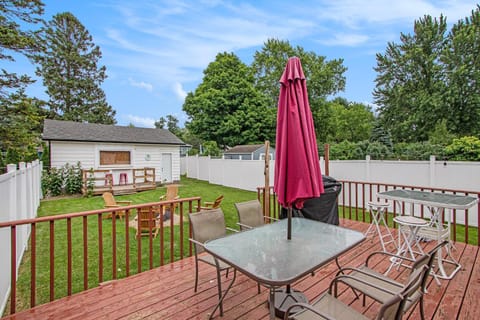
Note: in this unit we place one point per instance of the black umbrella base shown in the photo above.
(284, 299)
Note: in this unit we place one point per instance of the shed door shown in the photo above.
(166, 167)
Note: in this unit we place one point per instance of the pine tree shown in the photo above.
(14, 38)
(68, 66)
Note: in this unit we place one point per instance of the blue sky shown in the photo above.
(155, 51)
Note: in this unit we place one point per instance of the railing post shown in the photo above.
(327, 158)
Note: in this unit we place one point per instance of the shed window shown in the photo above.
(114, 157)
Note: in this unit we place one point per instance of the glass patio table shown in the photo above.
(265, 255)
(438, 229)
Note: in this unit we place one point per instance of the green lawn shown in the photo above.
(187, 188)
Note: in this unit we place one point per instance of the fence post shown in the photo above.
(198, 166)
(12, 202)
(22, 198)
(29, 190)
(208, 167)
(432, 171)
(367, 168)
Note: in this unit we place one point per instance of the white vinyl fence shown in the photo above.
(249, 174)
(20, 193)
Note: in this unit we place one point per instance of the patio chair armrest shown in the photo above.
(111, 206)
(244, 225)
(387, 254)
(127, 202)
(206, 208)
(370, 284)
(310, 308)
(196, 242)
(208, 204)
(270, 218)
(384, 279)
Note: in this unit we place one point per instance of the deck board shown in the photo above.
(167, 292)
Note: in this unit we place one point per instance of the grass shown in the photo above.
(187, 188)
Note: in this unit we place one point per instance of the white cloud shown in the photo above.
(176, 41)
(179, 92)
(356, 12)
(141, 121)
(345, 39)
(141, 84)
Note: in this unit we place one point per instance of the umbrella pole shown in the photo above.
(289, 228)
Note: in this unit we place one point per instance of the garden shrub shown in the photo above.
(64, 180)
(72, 178)
(378, 151)
(418, 151)
(464, 149)
(52, 182)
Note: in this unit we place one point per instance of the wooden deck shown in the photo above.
(167, 292)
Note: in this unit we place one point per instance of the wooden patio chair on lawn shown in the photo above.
(171, 194)
(213, 204)
(111, 203)
(147, 222)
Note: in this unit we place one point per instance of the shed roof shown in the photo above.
(93, 132)
(246, 148)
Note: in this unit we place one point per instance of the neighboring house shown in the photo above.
(114, 148)
(249, 152)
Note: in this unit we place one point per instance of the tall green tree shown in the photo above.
(15, 16)
(69, 67)
(160, 124)
(226, 108)
(351, 121)
(410, 81)
(20, 126)
(462, 72)
(323, 78)
(170, 123)
(20, 116)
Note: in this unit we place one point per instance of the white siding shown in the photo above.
(72, 152)
(142, 155)
(154, 154)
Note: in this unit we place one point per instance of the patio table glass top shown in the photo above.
(432, 199)
(265, 254)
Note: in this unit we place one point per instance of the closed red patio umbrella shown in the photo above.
(297, 166)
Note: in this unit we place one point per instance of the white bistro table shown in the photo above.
(438, 204)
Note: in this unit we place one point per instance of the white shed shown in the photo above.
(118, 149)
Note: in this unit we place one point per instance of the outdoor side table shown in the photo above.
(409, 227)
(378, 212)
